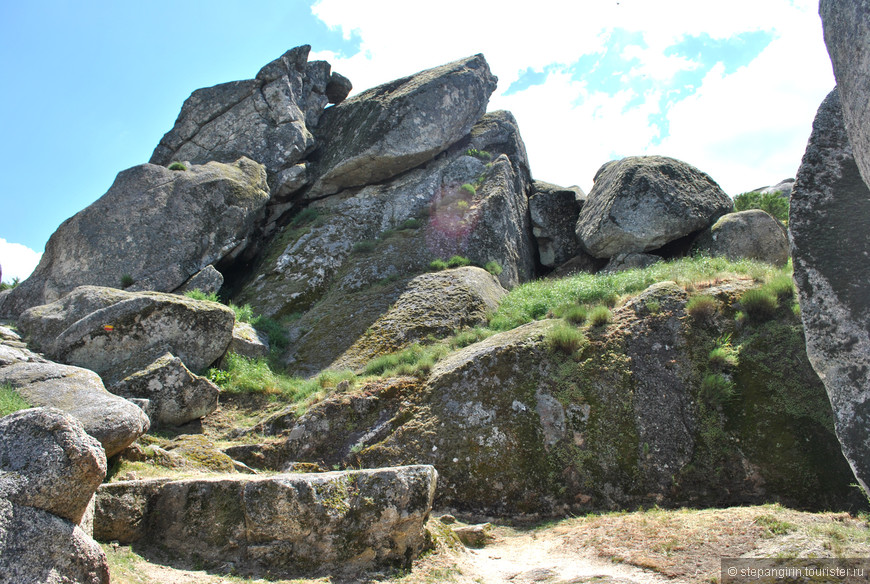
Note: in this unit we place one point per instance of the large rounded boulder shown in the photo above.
(641, 203)
(751, 234)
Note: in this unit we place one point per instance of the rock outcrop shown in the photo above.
(638, 415)
(828, 224)
(268, 119)
(554, 212)
(49, 470)
(641, 203)
(847, 27)
(114, 421)
(751, 234)
(457, 204)
(337, 522)
(152, 230)
(114, 332)
(400, 125)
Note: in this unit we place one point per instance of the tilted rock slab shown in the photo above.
(49, 470)
(751, 234)
(828, 224)
(349, 521)
(399, 125)
(406, 312)
(554, 212)
(267, 119)
(175, 394)
(152, 230)
(641, 203)
(114, 421)
(74, 329)
(847, 29)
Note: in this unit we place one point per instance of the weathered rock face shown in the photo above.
(554, 212)
(515, 425)
(112, 420)
(36, 546)
(751, 234)
(73, 329)
(828, 224)
(176, 395)
(207, 280)
(152, 230)
(248, 341)
(783, 187)
(267, 119)
(303, 523)
(630, 261)
(47, 461)
(341, 333)
(49, 470)
(397, 126)
(847, 27)
(641, 203)
(362, 237)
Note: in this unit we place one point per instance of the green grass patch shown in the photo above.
(493, 267)
(759, 304)
(565, 338)
(702, 307)
(197, 294)
(469, 337)
(127, 281)
(781, 286)
(243, 375)
(458, 261)
(600, 316)
(437, 265)
(573, 313)
(11, 400)
(305, 216)
(177, 166)
(410, 224)
(417, 360)
(468, 189)
(534, 300)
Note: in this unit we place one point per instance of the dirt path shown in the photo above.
(542, 556)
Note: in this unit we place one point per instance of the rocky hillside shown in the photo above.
(415, 323)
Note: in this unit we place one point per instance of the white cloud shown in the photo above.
(746, 129)
(17, 260)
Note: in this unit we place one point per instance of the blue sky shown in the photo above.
(91, 86)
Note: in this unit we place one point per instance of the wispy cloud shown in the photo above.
(729, 87)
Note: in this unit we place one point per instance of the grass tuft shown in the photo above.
(10, 400)
(600, 316)
(565, 338)
(702, 307)
(759, 304)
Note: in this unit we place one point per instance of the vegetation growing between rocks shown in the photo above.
(10, 400)
(772, 203)
(13, 284)
(535, 300)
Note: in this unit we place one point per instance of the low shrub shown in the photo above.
(772, 203)
(243, 313)
(723, 357)
(127, 281)
(702, 307)
(305, 216)
(411, 224)
(277, 334)
(177, 166)
(479, 154)
(759, 304)
(462, 205)
(565, 338)
(717, 389)
(458, 261)
(363, 247)
(8, 286)
(600, 316)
